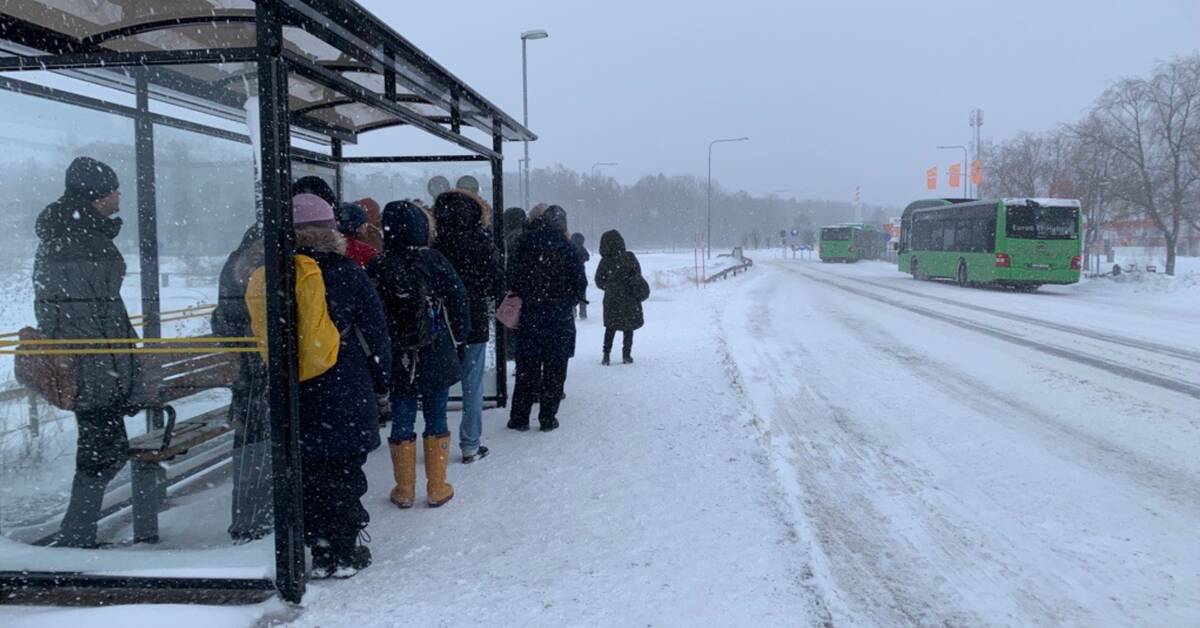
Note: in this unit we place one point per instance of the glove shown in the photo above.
(384, 403)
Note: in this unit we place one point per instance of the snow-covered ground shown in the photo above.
(955, 465)
(814, 444)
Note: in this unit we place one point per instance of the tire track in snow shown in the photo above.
(1127, 372)
(843, 477)
(1143, 345)
(1101, 454)
(812, 580)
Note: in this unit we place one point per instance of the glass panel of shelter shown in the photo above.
(422, 181)
(73, 497)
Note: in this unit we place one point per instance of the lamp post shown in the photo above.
(525, 37)
(708, 219)
(976, 122)
(594, 166)
(966, 192)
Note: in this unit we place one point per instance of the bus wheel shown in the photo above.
(962, 275)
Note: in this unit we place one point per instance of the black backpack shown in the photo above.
(411, 308)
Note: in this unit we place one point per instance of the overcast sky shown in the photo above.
(832, 94)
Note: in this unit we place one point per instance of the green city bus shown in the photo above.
(1017, 242)
(851, 242)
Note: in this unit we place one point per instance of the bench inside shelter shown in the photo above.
(170, 377)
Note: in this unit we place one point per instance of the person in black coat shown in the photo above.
(514, 228)
(77, 277)
(579, 242)
(619, 275)
(340, 408)
(464, 238)
(548, 276)
(251, 505)
(426, 371)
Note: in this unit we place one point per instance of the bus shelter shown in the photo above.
(207, 111)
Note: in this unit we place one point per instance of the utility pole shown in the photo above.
(976, 122)
(708, 220)
(525, 37)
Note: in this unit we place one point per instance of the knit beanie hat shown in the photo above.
(350, 218)
(313, 184)
(468, 183)
(90, 178)
(374, 211)
(310, 210)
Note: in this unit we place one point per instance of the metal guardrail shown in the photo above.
(732, 271)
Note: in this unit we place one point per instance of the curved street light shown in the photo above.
(525, 37)
(708, 220)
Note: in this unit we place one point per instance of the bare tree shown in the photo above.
(1091, 167)
(1151, 127)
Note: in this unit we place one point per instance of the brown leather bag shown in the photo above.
(54, 377)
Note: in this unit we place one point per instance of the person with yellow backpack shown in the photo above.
(345, 370)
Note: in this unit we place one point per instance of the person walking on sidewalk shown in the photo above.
(619, 275)
(77, 277)
(578, 241)
(464, 238)
(548, 276)
(428, 318)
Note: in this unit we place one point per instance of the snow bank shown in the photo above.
(141, 616)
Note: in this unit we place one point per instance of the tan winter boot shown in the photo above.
(404, 468)
(437, 455)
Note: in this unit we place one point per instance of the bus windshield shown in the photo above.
(1043, 223)
(835, 233)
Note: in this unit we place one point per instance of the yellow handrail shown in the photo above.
(179, 350)
(120, 341)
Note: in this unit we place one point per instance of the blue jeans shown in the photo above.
(470, 430)
(404, 415)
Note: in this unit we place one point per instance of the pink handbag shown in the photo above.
(509, 312)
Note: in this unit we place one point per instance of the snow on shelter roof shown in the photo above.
(342, 58)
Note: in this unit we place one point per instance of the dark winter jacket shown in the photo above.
(339, 412)
(437, 367)
(231, 319)
(548, 276)
(77, 277)
(514, 228)
(619, 275)
(470, 249)
(578, 241)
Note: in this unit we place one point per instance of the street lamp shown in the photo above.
(525, 37)
(708, 220)
(594, 166)
(966, 192)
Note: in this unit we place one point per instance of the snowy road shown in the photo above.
(973, 457)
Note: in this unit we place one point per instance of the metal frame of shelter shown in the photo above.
(376, 75)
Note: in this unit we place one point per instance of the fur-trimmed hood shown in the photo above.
(320, 240)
